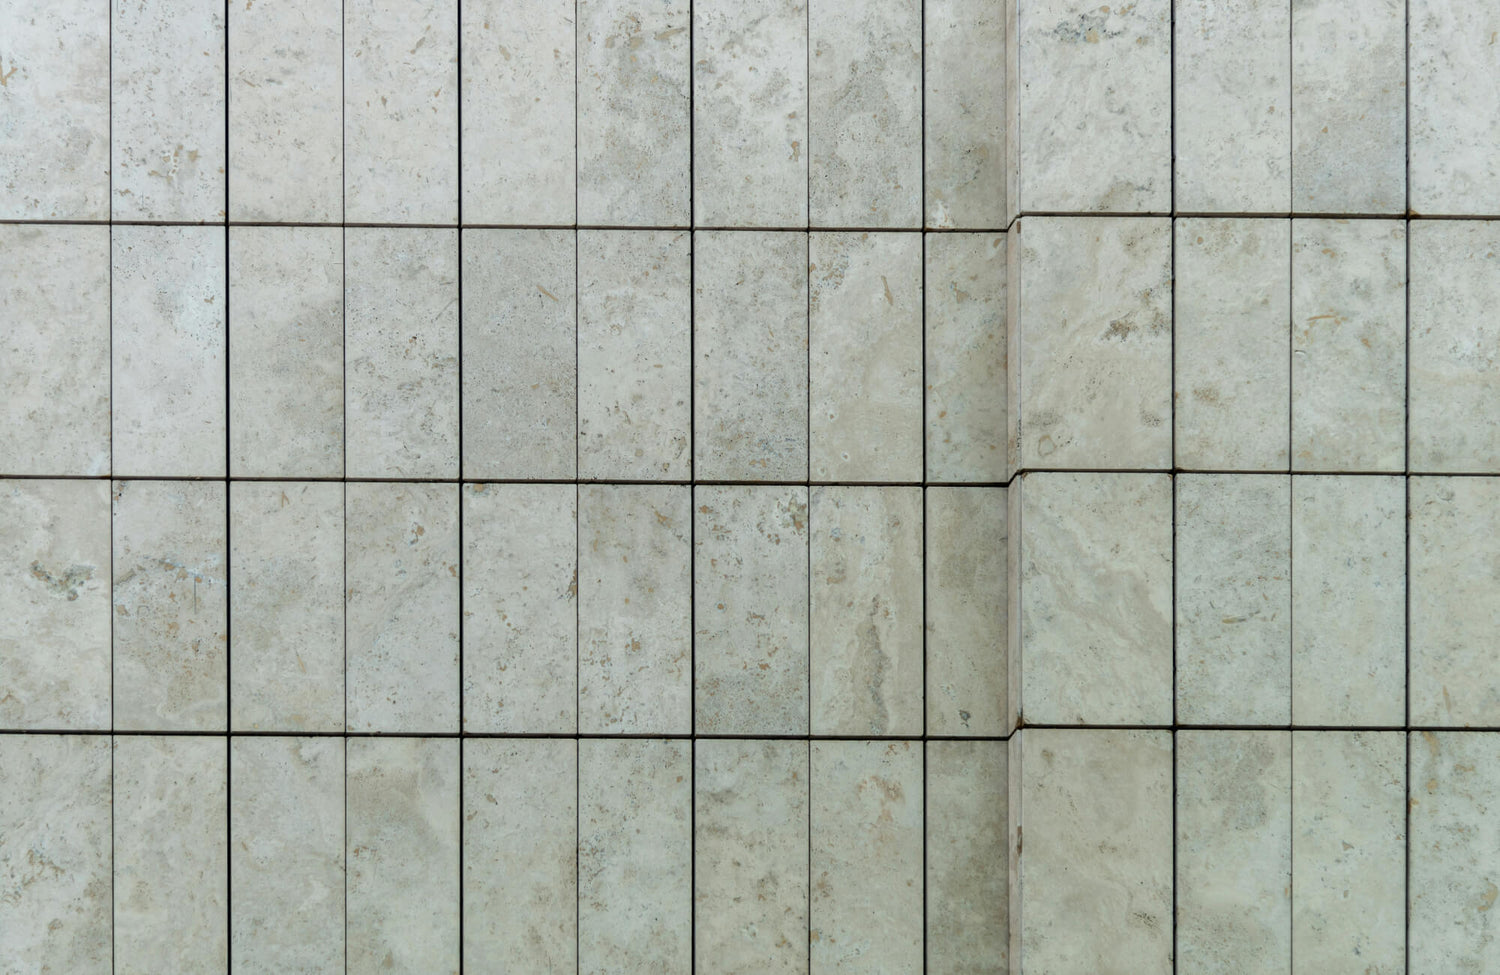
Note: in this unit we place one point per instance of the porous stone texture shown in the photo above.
(1454, 109)
(967, 673)
(964, 113)
(967, 823)
(965, 355)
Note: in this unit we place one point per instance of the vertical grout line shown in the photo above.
(1291, 503)
(577, 575)
(228, 551)
(1175, 927)
(1291, 853)
(459, 286)
(692, 515)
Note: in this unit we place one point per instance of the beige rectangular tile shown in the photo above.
(1454, 106)
(967, 822)
(965, 340)
(967, 671)
(964, 109)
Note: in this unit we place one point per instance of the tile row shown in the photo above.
(618, 355)
(323, 855)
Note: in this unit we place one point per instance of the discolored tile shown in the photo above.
(967, 612)
(964, 113)
(965, 347)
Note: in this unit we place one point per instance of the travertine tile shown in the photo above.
(1095, 335)
(1094, 106)
(750, 597)
(966, 356)
(1349, 106)
(1455, 281)
(171, 636)
(866, 606)
(1455, 570)
(168, 342)
(1234, 599)
(286, 352)
(635, 631)
(968, 914)
(520, 342)
(1348, 852)
(865, 113)
(865, 356)
(1454, 106)
(167, 103)
(635, 872)
(633, 112)
(1234, 851)
(1233, 128)
(520, 847)
(403, 855)
(54, 355)
(634, 354)
(286, 855)
(55, 102)
(750, 106)
(750, 356)
(55, 854)
(401, 352)
(967, 612)
(1096, 598)
(1348, 600)
(964, 113)
(519, 72)
(1348, 345)
(401, 607)
(286, 129)
(520, 608)
(1231, 326)
(286, 606)
(1080, 792)
(171, 854)
(55, 604)
(750, 856)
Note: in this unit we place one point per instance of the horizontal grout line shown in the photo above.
(1173, 471)
(1261, 215)
(493, 480)
(496, 735)
(1190, 726)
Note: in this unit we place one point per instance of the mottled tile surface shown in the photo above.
(964, 113)
(965, 357)
(967, 611)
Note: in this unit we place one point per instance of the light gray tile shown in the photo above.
(1454, 105)
(964, 108)
(968, 911)
(967, 612)
(966, 357)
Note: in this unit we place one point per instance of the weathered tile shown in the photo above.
(1234, 851)
(968, 913)
(750, 106)
(520, 847)
(750, 597)
(634, 354)
(286, 606)
(1455, 281)
(865, 914)
(750, 855)
(55, 102)
(635, 851)
(520, 608)
(171, 631)
(54, 356)
(633, 112)
(1348, 600)
(286, 352)
(967, 612)
(865, 113)
(1083, 792)
(171, 854)
(635, 631)
(55, 854)
(401, 352)
(168, 343)
(286, 128)
(1348, 345)
(55, 604)
(519, 72)
(1454, 574)
(964, 101)
(1233, 127)
(965, 351)
(1231, 332)
(520, 341)
(1094, 106)
(1454, 106)
(866, 606)
(167, 103)
(401, 111)
(1349, 106)
(287, 886)
(1348, 852)
(750, 356)
(1095, 326)
(1096, 598)
(403, 853)
(401, 607)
